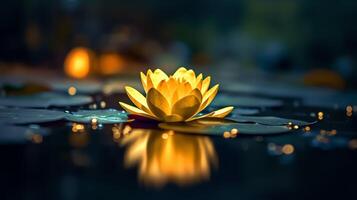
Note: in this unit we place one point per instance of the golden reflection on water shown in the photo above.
(165, 157)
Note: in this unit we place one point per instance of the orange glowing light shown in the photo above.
(36, 138)
(288, 149)
(72, 91)
(110, 64)
(226, 134)
(77, 63)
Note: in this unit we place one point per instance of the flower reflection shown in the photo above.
(164, 157)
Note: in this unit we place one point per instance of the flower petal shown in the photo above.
(200, 116)
(180, 72)
(205, 84)
(186, 107)
(137, 98)
(136, 111)
(172, 84)
(157, 103)
(198, 83)
(149, 82)
(164, 89)
(196, 92)
(157, 76)
(143, 81)
(182, 90)
(161, 75)
(221, 113)
(208, 97)
(190, 77)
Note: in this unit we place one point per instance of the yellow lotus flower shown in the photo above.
(175, 98)
(165, 157)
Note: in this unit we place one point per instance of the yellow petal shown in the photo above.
(164, 89)
(156, 77)
(161, 75)
(149, 72)
(175, 97)
(183, 90)
(221, 113)
(186, 107)
(200, 116)
(196, 92)
(190, 77)
(172, 84)
(143, 81)
(136, 111)
(205, 84)
(157, 103)
(137, 98)
(180, 72)
(198, 83)
(208, 97)
(149, 82)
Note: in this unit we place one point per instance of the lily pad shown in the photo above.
(27, 115)
(212, 127)
(108, 116)
(45, 100)
(244, 101)
(268, 120)
(19, 134)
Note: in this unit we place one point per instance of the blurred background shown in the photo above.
(313, 41)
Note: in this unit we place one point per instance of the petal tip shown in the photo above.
(127, 88)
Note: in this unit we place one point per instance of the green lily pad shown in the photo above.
(108, 116)
(244, 101)
(27, 115)
(269, 120)
(218, 127)
(44, 100)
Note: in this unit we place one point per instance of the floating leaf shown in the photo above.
(244, 101)
(218, 127)
(45, 100)
(108, 116)
(27, 115)
(268, 120)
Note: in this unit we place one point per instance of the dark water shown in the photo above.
(316, 164)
